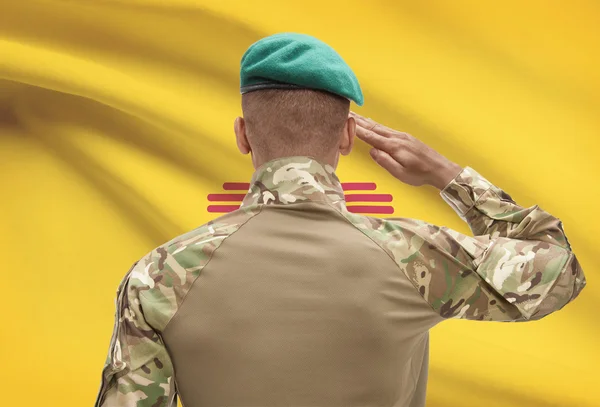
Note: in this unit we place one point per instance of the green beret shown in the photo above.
(296, 61)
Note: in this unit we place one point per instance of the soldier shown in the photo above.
(294, 301)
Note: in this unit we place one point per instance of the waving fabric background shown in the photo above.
(116, 122)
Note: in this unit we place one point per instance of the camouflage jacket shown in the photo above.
(518, 266)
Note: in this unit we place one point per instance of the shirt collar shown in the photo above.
(294, 179)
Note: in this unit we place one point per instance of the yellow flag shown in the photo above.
(116, 135)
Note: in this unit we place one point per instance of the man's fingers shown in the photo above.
(378, 128)
(387, 162)
(363, 122)
(375, 139)
(371, 125)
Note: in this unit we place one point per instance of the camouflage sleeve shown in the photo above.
(519, 266)
(138, 371)
(490, 211)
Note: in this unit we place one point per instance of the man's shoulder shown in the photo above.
(164, 275)
(190, 250)
(405, 239)
(406, 236)
(210, 232)
(389, 228)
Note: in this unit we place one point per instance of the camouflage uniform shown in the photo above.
(307, 304)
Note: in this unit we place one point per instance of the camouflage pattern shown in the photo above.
(544, 273)
(496, 214)
(295, 179)
(138, 370)
(518, 266)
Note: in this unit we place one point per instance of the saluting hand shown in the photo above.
(405, 157)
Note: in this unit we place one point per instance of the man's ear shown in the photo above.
(348, 135)
(239, 126)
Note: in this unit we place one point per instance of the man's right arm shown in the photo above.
(528, 258)
(519, 265)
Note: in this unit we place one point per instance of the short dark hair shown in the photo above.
(285, 122)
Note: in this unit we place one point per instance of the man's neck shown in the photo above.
(259, 161)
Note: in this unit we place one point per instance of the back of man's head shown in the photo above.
(288, 122)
